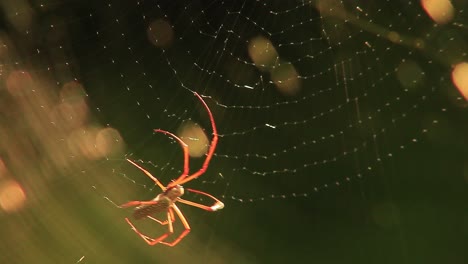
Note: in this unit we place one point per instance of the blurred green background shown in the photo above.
(342, 129)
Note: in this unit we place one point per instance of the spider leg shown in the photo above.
(184, 233)
(184, 148)
(148, 174)
(184, 178)
(137, 203)
(154, 241)
(218, 205)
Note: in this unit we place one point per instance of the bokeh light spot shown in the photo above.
(70, 115)
(441, 11)
(286, 79)
(460, 78)
(394, 37)
(109, 142)
(72, 111)
(72, 91)
(160, 33)
(12, 196)
(262, 53)
(82, 143)
(419, 43)
(194, 136)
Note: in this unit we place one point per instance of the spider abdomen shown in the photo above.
(143, 211)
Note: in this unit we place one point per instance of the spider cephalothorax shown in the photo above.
(166, 201)
(174, 192)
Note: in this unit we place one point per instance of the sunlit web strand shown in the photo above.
(261, 84)
(272, 105)
(290, 62)
(323, 115)
(326, 186)
(305, 97)
(331, 110)
(314, 190)
(239, 85)
(300, 4)
(333, 159)
(321, 139)
(368, 51)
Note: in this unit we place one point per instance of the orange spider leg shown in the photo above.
(216, 206)
(137, 203)
(184, 148)
(184, 233)
(184, 178)
(154, 241)
(149, 175)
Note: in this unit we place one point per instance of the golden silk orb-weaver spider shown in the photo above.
(166, 201)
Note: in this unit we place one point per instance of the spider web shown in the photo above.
(315, 101)
(344, 93)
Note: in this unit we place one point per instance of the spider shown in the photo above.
(166, 201)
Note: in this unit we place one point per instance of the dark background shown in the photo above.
(368, 168)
